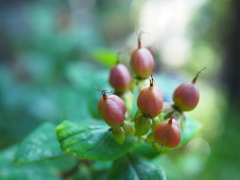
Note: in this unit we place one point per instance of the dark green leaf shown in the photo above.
(132, 167)
(40, 145)
(93, 142)
(146, 150)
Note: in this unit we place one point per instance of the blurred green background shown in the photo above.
(50, 52)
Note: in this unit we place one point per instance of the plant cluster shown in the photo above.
(138, 126)
(150, 102)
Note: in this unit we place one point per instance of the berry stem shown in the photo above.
(104, 93)
(139, 35)
(118, 57)
(151, 81)
(199, 72)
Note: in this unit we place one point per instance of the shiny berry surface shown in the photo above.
(141, 62)
(186, 96)
(168, 133)
(112, 110)
(120, 78)
(150, 100)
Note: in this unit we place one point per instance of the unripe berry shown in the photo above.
(112, 109)
(120, 78)
(186, 96)
(142, 124)
(168, 133)
(142, 61)
(150, 100)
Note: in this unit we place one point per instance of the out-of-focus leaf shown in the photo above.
(132, 167)
(93, 142)
(192, 127)
(146, 150)
(106, 57)
(100, 169)
(99, 80)
(9, 171)
(40, 145)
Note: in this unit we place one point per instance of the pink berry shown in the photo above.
(142, 61)
(186, 96)
(168, 133)
(150, 100)
(120, 78)
(112, 109)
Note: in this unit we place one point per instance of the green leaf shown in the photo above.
(131, 167)
(104, 56)
(146, 150)
(93, 142)
(192, 127)
(40, 145)
(36, 171)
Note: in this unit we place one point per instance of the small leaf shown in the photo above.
(40, 145)
(93, 142)
(131, 167)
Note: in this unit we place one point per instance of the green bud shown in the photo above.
(127, 97)
(166, 150)
(150, 138)
(132, 85)
(161, 148)
(128, 128)
(142, 124)
(158, 147)
(143, 83)
(155, 122)
(127, 116)
(161, 117)
(118, 134)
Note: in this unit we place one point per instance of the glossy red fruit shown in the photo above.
(168, 133)
(120, 78)
(112, 109)
(150, 100)
(186, 96)
(142, 61)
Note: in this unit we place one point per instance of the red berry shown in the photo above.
(112, 109)
(186, 96)
(141, 62)
(150, 100)
(168, 133)
(120, 78)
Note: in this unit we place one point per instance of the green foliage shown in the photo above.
(39, 145)
(53, 79)
(8, 171)
(135, 168)
(93, 142)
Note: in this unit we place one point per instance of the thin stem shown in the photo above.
(139, 35)
(195, 79)
(104, 92)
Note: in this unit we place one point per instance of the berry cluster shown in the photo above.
(148, 123)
